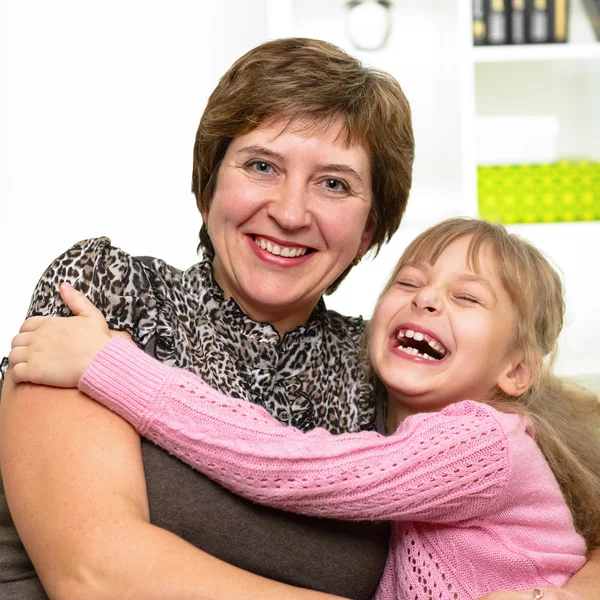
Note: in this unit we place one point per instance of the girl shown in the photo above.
(491, 473)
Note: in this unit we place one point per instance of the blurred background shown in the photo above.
(100, 101)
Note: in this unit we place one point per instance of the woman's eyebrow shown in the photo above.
(341, 168)
(256, 149)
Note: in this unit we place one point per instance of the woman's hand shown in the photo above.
(55, 351)
(547, 594)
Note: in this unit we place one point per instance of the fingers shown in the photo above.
(20, 373)
(31, 324)
(17, 361)
(21, 339)
(78, 303)
(18, 355)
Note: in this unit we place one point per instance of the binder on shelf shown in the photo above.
(539, 18)
(592, 8)
(561, 20)
(479, 22)
(547, 21)
(518, 22)
(497, 22)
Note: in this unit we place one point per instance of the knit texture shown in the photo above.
(475, 505)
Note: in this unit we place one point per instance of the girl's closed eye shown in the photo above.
(408, 284)
(468, 298)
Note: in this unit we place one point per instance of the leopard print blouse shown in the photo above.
(311, 377)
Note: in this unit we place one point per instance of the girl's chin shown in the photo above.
(416, 399)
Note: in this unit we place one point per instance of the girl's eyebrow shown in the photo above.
(474, 278)
(422, 266)
(460, 276)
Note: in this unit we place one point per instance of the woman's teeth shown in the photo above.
(285, 251)
(417, 336)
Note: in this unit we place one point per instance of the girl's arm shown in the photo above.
(417, 473)
(75, 484)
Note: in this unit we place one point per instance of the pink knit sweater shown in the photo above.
(475, 505)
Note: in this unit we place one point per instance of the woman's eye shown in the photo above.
(335, 185)
(260, 166)
(467, 298)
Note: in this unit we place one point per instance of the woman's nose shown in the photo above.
(427, 299)
(289, 206)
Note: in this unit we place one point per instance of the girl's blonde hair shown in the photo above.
(566, 417)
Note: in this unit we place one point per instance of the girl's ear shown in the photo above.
(516, 380)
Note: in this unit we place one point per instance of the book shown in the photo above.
(497, 22)
(592, 8)
(561, 21)
(479, 22)
(518, 22)
(539, 20)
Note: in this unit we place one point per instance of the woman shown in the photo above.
(289, 204)
(302, 163)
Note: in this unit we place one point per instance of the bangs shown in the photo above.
(354, 130)
(430, 245)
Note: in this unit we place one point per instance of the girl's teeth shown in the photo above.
(415, 352)
(419, 337)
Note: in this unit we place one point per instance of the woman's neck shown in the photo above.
(282, 319)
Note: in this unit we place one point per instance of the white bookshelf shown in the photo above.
(449, 83)
(537, 53)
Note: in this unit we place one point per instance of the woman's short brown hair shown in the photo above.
(316, 82)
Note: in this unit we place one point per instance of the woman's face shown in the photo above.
(289, 214)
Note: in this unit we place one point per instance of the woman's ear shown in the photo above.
(516, 380)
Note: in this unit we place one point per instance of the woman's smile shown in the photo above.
(279, 252)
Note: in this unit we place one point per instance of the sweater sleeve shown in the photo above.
(437, 467)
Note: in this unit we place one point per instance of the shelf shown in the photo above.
(536, 52)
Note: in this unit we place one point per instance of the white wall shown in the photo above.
(99, 107)
(99, 104)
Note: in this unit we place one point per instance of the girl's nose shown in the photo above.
(427, 299)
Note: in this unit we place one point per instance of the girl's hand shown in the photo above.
(56, 351)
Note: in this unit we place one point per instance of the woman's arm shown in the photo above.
(74, 481)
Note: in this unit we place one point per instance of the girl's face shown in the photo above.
(441, 333)
(289, 214)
